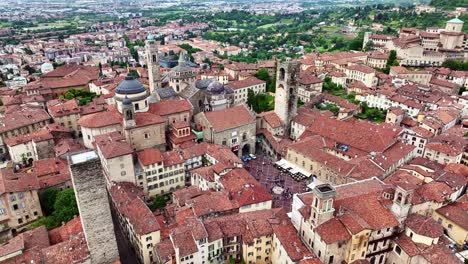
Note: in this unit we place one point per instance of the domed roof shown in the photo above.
(130, 86)
(126, 101)
(215, 87)
(456, 21)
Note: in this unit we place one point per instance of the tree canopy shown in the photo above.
(59, 206)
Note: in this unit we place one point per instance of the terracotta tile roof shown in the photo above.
(36, 136)
(149, 156)
(425, 226)
(448, 144)
(17, 182)
(66, 145)
(440, 254)
(185, 194)
(100, 119)
(370, 209)
(404, 180)
(407, 245)
(333, 231)
(456, 212)
(244, 188)
(206, 172)
(147, 119)
(271, 118)
(251, 81)
(288, 237)
(22, 117)
(307, 78)
(360, 68)
(212, 203)
(30, 242)
(171, 158)
(128, 200)
(443, 83)
(92, 108)
(184, 235)
(454, 180)
(66, 231)
(69, 76)
(229, 118)
(51, 172)
(361, 135)
(457, 168)
(313, 148)
(307, 116)
(58, 108)
(170, 107)
(165, 250)
(74, 250)
(432, 191)
(112, 145)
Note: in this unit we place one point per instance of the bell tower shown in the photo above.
(128, 112)
(152, 60)
(322, 205)
(402, 203)
(287, 75)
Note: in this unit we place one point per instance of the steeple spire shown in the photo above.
(181, 59)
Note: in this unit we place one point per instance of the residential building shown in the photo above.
(161, 173)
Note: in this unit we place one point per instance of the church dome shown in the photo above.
(127, 101)
(130, 86)
(215, 87)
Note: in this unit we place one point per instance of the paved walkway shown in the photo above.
(263, 170)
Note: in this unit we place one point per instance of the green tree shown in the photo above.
(61, 207)
(30, 69)
(455, 65)
(65, 206)
(134, 74)
(391, 61)
(158, 202)
(263, 75)
(48, 198)
(369, 46)
(357, 42)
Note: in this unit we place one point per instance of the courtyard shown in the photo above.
(281, 185)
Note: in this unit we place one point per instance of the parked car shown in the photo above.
(246, 158)
(252, 156)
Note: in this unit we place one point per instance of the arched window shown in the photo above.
(155, 58)
(399, 198)
(282, 74)
(129, 115)
(398, 250)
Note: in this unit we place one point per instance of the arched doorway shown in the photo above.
(245, 149)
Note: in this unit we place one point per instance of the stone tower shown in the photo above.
(402, 203)
(322, 205)
(152, 60)
(128, 112)
(93, 203)
(454, 25)
(287, 75)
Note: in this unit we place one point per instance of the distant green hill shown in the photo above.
(448, 4)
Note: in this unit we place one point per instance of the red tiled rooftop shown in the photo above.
(229, 118)
(245, 83)
(425, 226)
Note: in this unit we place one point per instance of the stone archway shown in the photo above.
(245, 150)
